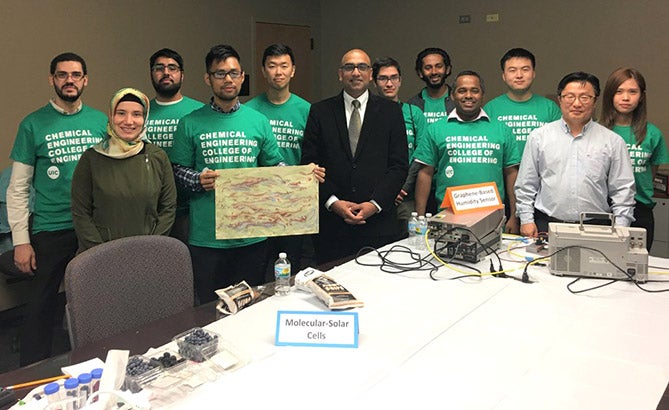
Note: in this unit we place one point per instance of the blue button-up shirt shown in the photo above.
(562, 175)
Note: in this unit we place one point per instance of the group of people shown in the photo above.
(149, 166)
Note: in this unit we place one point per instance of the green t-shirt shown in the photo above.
(464, 153)
(416, 126)
(288, 121)
(161, 126)
(522, 117)
(164, 118)
(435, 108)
(652, 151)
(209, 139)
(52, 143)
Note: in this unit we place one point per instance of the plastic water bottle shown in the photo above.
(421, 229)
(411, 228)
(427, 221)
(282, 275)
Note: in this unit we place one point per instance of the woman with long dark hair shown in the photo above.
(624, 111)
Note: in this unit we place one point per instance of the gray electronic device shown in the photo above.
(456, 235)
(625, 247)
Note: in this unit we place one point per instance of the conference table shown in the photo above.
(469, 343)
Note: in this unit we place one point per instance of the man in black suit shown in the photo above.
(361, 140)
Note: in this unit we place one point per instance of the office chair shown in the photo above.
(125, 283)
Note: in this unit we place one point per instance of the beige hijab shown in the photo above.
(114, 146)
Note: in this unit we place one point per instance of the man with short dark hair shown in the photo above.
(48, 145)
(213, 137)
(467, 148)
(574, 164)
(519, 108)
(167, 108)
(387, 76)
(361, 140)
(287, 113)
(433, 66)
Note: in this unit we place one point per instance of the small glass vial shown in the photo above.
(96, 375)
(84, 388)
(71, 394)
(52, 393)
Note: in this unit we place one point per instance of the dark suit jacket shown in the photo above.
(377, 171)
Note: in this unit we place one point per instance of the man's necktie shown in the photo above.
(354, 126)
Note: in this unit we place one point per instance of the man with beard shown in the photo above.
(361, 140)
(467, 148)
(169, 106)
(48, 145)
(433, 65)
(223, 134)
(287, 113)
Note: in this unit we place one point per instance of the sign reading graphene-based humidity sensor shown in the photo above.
(324, 329)
(475, 197)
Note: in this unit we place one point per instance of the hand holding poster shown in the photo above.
(267, 201)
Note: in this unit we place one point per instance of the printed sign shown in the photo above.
(323, 329)
(475, 197)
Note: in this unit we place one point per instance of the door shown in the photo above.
(298, 38)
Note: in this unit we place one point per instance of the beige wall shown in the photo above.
(596, 36)
(117, 37)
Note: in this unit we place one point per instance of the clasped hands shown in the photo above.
(353, 213)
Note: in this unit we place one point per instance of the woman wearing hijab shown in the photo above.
(124, 185)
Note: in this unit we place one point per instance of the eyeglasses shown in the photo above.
(362, 67)
(570, 98)
(171, 68)
(63, 75)
(384, 79)
(221, 74)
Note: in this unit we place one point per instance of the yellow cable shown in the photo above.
(427, 244)
(510, 252)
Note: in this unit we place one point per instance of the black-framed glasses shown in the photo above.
(63, 75)
(171, 68)
(583, 98)
(221, 74)
(384, 78)
(362, 67)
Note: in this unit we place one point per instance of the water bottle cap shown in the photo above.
(71, 383)
(85, 378)
(96, 373)
(421, 217)
(414, 214)
(51, 388)
(428, 215)
(282, 255)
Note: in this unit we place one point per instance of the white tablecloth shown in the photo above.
(486, 343)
